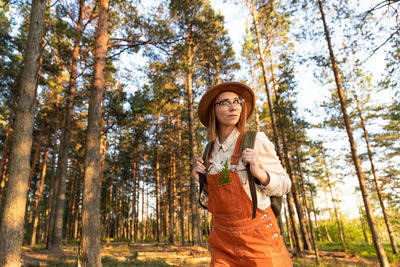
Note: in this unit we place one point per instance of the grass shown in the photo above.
(124, 254)
(360, 249)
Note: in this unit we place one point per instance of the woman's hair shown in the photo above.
(213, 127)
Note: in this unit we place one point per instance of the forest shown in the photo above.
(99, 128)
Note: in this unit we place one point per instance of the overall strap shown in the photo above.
(236, 152)
(248, 142)
(203, 176)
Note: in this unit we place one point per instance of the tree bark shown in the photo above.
(335, 209)
(158, 230)
(359, 204)
(136, 233)
(357, 164)
(294, 190)
(12, 224)
(377, 186)
(197, 240)
(315, 215)
(307, 207)
(256, 111)
(181, 192)
(265, 77)
(171, 196)
(38, 198)
(91, 232)
(327, 219)
(53, 190)
(62, 165)
(288, 228)
(142, 224)
(133, 228)
(4, 160)
(292, 215)
(74, 199)
(37, 147)
(289, 164)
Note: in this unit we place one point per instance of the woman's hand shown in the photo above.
(198, 168)
(251, 156)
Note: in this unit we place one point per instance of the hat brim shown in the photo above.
(240, 89)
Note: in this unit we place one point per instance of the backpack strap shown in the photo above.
(203, 176)
(248, 142)
(276, 202)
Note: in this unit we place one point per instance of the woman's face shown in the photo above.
(227, 109)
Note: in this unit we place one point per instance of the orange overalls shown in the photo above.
(236, 239)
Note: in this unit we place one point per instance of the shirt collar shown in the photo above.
(229, 141)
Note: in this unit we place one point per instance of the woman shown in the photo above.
(236, 238)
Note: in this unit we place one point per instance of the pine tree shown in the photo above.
(12, 223)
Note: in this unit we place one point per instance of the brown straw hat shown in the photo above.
(239, 88)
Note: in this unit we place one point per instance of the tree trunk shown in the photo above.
(53, 190)
(368, 209)
(335, 209)
(307, 207)
(133, 217)
(288, 228)
(136, 233)
(197, 240)
(142, 226)
(171, 196)
(4, 159)
(315, 215)
(12, 224)
(119, 224)
(377, 186)
(3, 187)
(181, 192)
(360, 212)
(62, 165)
(158, 230)
(74, 202)
(38, 198)
(37, 147)
(327, 219)
(265, 77)
(295, 192)
(290, 169)
(91, 231)
(257, 117)
(77, 215)
(292, 215)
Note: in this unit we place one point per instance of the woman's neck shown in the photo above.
(224, 132)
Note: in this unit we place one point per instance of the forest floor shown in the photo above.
(151, 254)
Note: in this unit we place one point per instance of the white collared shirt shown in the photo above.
(279, 184)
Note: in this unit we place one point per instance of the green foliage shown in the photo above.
(224, 179)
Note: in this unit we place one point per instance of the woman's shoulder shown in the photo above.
(262, 141)
(261, 136)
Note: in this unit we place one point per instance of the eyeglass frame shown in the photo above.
(234, 103)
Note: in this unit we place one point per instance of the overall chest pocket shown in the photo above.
(223, 200)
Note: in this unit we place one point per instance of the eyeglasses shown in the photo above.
(225, 103)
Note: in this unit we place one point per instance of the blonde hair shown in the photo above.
(213, 127)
